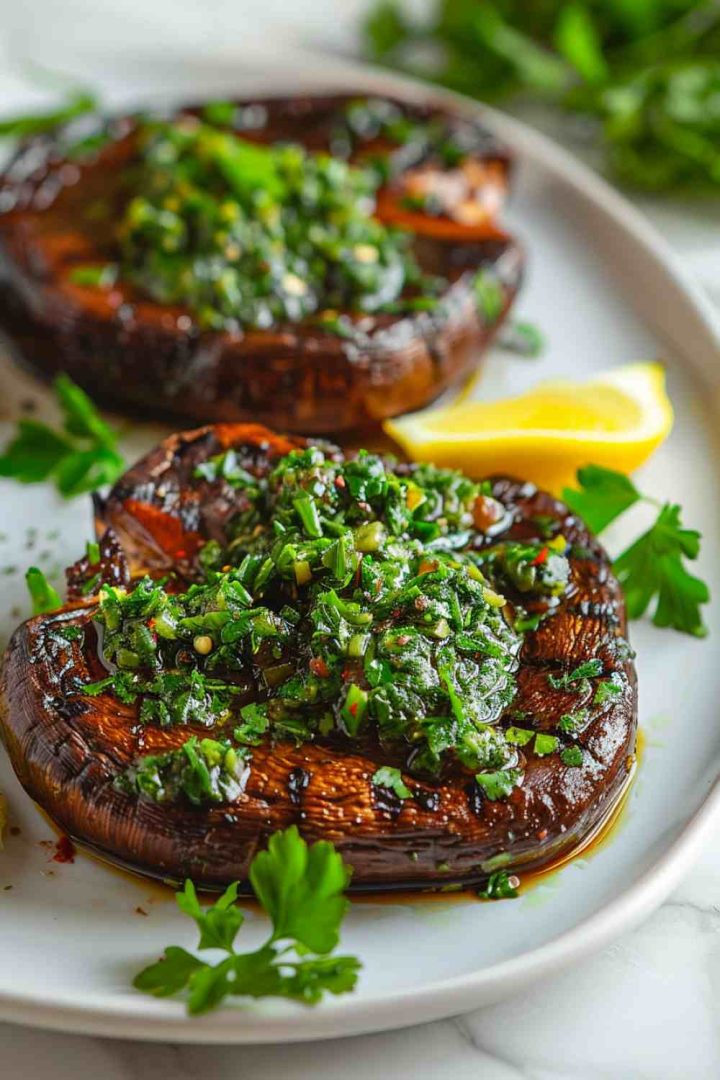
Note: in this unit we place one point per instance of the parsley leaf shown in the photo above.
(572, 756)
(603, 496)
(42, 594)
(576, 678)
(81, 457)
(523, 338)
(608, 689)
(219, 924)
(170, 974)
(545, 744)
(578, 40)
(643, 74)
(391, 779)
(518, 736)
(301, 887)
(499, 784)
(77, 103)
(572, 723)
(652, 568)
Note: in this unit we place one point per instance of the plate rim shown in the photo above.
(445, 997)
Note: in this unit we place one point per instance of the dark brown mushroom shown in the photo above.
(67, 748)
(130, 353)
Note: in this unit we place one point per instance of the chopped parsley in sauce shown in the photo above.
(250, 235)
(348, 604)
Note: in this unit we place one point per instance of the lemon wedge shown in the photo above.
(617, 419)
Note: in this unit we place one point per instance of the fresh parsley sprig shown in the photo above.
(302, 889)
(652, 570)
(643, 73)
(80, 457)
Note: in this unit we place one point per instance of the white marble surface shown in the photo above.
(647, 1007)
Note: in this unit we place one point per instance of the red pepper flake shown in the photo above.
(319, 667)
(340, 482)
(64, 850)
(541, 557)
(353, 709)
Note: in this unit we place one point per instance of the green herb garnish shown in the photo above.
(519, 736)
(499, 784)
(577, 679)
(346, 602)
(500, 886)
(545, 744)
(572, 756)
(571, 723)
(602, 496)
(489, 296)
(97, 277)
(203, 771)
(80, 457)
(301, 888)
(391, 779)
(523, 338)
(535, 569)
(78, 102)
(249, 235)
(652, 570)
(643, 74)
(42, 594)
(608, 690)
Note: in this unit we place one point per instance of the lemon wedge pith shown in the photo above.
(617, 419)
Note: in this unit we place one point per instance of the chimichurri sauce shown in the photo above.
(350, 604)
(248, 235)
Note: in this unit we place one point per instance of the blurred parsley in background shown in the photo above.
(645, 72)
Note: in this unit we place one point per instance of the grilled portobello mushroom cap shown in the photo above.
(143, 351)
(416, 829)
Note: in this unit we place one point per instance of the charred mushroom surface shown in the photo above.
(315, 263)
(430, 672)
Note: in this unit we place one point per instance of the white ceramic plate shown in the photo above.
(604, 288)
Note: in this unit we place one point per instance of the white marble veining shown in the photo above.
(646, 1007)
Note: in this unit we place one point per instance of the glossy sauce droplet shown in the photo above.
(65, 850)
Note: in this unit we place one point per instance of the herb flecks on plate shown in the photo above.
(301, 889)
(348, 603)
